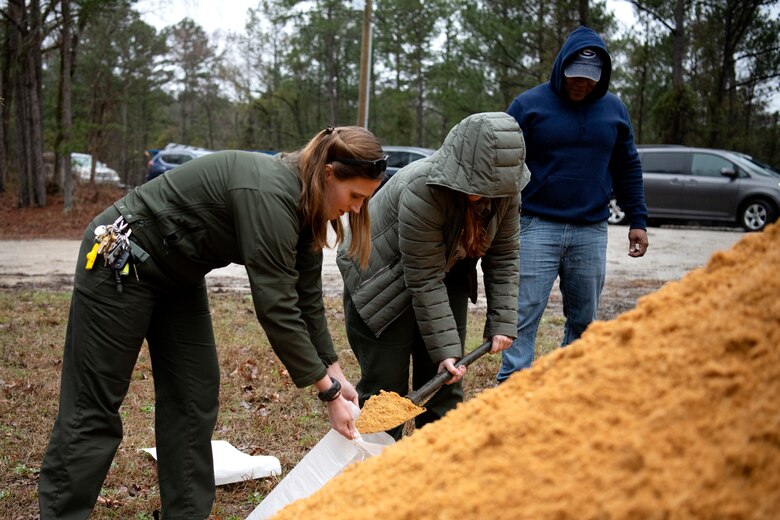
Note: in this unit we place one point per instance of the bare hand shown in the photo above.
(637, 242)
(341, 417)
(500, 343)
(457, 372)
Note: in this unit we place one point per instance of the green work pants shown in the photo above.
(385, 361)
(105, 332)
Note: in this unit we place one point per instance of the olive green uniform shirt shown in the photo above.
(244, 208)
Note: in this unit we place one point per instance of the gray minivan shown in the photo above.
(704, 184)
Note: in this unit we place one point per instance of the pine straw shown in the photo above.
(51, 221)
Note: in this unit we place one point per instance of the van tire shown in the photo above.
(616, 215)
(755, 214)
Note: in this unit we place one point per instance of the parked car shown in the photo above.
(81, 166)
(400, 156)
(705, 184)
(169, 158)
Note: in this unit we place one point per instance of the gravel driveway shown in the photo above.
(673, 251)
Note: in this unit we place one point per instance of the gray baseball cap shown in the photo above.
(587, 64)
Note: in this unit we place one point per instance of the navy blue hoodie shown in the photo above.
(579, 152)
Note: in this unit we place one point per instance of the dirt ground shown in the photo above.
(38, 249)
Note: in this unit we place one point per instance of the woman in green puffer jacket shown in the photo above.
(430, 224)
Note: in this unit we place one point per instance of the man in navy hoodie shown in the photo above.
(580, 148)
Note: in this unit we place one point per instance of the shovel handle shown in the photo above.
(424, 393)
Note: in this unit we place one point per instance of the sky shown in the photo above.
(230, 15)
(224, 15)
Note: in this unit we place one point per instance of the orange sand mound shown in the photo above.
(672, 410)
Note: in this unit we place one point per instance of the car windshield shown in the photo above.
(766, 167)
(756, 167)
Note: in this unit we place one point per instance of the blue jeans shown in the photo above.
(575, 253)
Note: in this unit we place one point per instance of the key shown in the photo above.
(106, 242)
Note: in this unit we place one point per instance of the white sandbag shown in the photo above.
(231, 465)
(330, 456)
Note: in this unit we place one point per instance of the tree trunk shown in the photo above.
(6, 95)
(27, 84)
(35, 64)
(3, 153)
(582, 8)
(643, 86)
(16, 14)
(62, 150)
(24, 169)
(330, 70)
(99, 110)
(207, 108)
(125, 137)
(680, 116)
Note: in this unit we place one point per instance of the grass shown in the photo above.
(261, 411)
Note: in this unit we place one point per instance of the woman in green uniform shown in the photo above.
(430, 223)
(141, 275)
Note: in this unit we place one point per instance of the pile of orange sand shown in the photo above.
(672, 410)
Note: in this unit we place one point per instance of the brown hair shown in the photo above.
(474, 236)
(327, 147)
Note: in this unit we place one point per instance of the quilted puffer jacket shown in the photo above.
(416, 224)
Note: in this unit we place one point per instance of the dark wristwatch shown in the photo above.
(331, 393)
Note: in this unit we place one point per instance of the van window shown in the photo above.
(708, 165)
(176, 158)
(664, 162)
(399, 159)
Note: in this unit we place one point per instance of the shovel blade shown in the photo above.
(384, 411)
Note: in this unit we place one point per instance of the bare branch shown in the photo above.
(653, 14)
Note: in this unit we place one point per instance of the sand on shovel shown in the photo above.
(669, 411)
(384, 411)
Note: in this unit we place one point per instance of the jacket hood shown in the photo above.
(582, 38)
(482, 155)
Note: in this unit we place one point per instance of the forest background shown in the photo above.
(91, 76)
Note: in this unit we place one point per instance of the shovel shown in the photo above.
(388, 410)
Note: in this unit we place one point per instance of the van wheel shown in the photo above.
(756, 214)
(616, 215)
